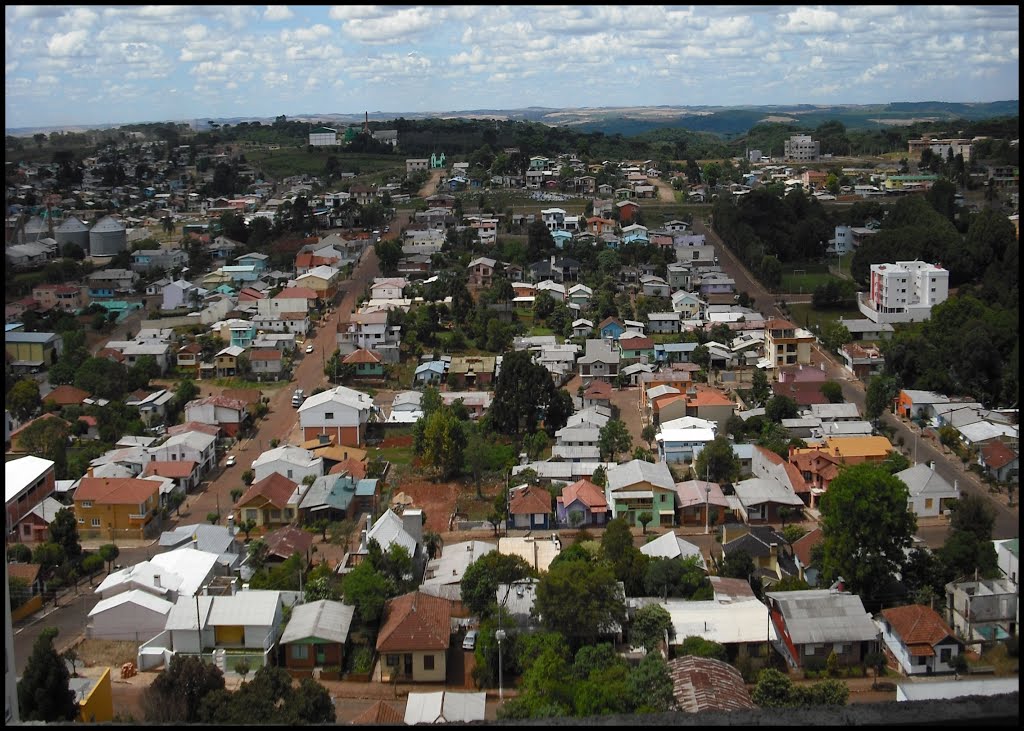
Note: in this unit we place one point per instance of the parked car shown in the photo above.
(309, 348)
(470, 642)
(230, 462)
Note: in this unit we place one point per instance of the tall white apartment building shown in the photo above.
(905, 291)
(802, 148)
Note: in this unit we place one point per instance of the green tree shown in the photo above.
(43, 691)
(643, 519)
(614, 438)
(175, 695)
(834, 335)
(699, 647)
(580, 600)
(482, 577)
(760, 390)
(880, 395)
(47, 438)
(832, 391)
(444, 443)
(717, 462)
(866, 527)
(651, 625)
(523, 394)
(779, 408)
(366, 589)
(23, 399)
(19, 553)
(600, 476)
(64, 532)
(648, 434)
(109, 553)
(773, 689)
(258, 552)
(683, 577)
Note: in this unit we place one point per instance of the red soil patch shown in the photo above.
(405, 440)
(436, 499)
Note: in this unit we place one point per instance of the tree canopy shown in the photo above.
(43, 692)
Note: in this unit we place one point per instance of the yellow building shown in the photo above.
(854, 450)
(33, 350)
(95, 698)
(115, 507)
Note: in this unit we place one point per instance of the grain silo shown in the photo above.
(72, 231)
(108, 237)
(35, 229)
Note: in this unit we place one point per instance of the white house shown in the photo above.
(919, 639)
(930, 494)
(295, 463)
(131, 616)
(167, 575)
(341, 412)
(227, 413)
(190, 446)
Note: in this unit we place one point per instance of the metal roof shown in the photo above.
(322, 620)
(821, 615)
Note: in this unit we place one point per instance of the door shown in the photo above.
(321, 655)
(407, 665)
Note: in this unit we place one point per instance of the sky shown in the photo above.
(79, 65)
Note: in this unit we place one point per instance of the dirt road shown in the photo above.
(430, 187)
(665, 192)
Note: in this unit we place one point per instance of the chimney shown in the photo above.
(931, 465)
(773, 549)
(231, 524)
(88, 472)
(412, 521)
(156, 581)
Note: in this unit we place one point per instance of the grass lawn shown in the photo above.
(802, 278)
(394, 455)
(242, 383)
(538, 330)
(806, 316)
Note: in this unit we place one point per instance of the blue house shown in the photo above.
(430, 372)
(611, 328)
(561, 238)
(258, 261)
(241, 273)
(242, 333)
(673, 352)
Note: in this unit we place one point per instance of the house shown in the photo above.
(286, 541)
(627, 211)
(366, 363)
(451, 565)
(529, 508)
(636, 350)
(364, 330)
(227, 413)
(580, 294)
(28, 350)
(227, 360)
(663, 322)
(135, 615)
(471, 371)
(219, 539)
(930, 494)
(192, 446)
(65, 297)
(1008, 558)
(982, 610)
(738, 623)
(445, 706)
(248, 620)
(582, 328)
(414, 638)
(316, 634)
(34, 527)
(598, 393)
(785, 344)
(116, 508)
(814, 623)
(329, 497)
(763, 545)
(638, 487)
(292, 462)
(701, 684)
(184, 475)
(611, 328)
(171, 575)
(431, 372)
(600, 361)
(1000, 461)
(760, 499)
(681, 440)
(918, 639)
(189, 358)
(340, 412)
(268, 501)
(581, 504)
(694, 498)
(388, 288)
(669, 545)
(802, 556)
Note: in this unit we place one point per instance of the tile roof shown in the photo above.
(802, 547)
(288, 540)
(530, 501)
(116, 491)
(380, 713)
(586, 492)
(704, 684)
(170, 469)
(920, 628)
(362, 356)
(275, 488)
(416, 621)
(66, 395)
(997, 455)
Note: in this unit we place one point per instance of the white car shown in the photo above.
(469, 642)
(309, 348)
(230, 462)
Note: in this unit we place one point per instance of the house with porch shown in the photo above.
(694, 498)
(637, 487)
(414, 638)
(529, 508)
(471, 371)
(760, 500)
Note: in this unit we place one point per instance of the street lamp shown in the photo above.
(499, 636)
(707, 497)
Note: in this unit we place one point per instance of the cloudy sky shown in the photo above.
(68, 65)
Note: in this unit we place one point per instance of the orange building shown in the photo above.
(116, 507)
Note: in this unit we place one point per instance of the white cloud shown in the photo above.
(68, 44)
(305, 35)
(388, 29)
(814, 20)
(195, 32)
(278, 12)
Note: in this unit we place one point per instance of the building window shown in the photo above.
(300, 652)
(87, 503)
(428, 662)
(329, 415)
(250, 514)
(391, 661)
(928, 502)
(945, 654)
(95, 522)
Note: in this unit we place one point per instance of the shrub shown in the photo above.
(814, 664)
(362, 660)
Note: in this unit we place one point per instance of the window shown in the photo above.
(428, 662)
(391, 660)
(250, 514)
(300, 652)
(87, 503)
(95, 522)
(81, 521)
(928, 502)
(329, 415)
(289, 474)
(945, 654)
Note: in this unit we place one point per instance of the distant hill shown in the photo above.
(631, 121)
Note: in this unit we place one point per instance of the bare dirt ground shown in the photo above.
(430, 187)
(665, 192)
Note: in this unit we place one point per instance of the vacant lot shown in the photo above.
(106, 653)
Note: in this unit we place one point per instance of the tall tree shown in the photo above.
(717, 462)
(482, 577)
(43, 692)
(64, 532)
(23, 399)
(175, 694)
(866, 526)
(522, 394)
(760, 390)
(614, 438)
(581, 600)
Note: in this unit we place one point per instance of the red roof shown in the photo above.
(190, 348)
(586, 492)
(802, 547)
(29, 572)
(174, 470)
(530, 501)
(110, 354)
(598, 390)
(66, 395)
(636, 344)
(997, 455)
(296, 293)
(362, 356)
(275, 488)
(211, 429)
(352, 466)
(705, 684)
(379, 713)
(778, 324)
(805, 394)
(919, 627)
(115, 491)
(416, 621)
(283, 542)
